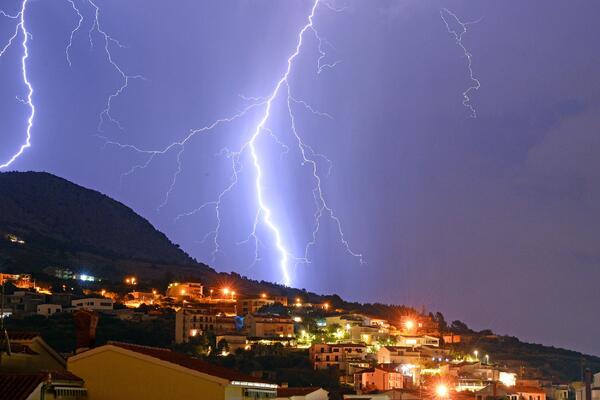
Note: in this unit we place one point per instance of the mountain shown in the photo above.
(67, 225)
(79, 219)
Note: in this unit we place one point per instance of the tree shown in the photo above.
(459, 327)
(222, 346)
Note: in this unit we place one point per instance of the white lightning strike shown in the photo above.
(475, 84)
(22, 30)
(106, 113)
(74, 31)
(264, 214)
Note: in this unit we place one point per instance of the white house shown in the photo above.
(398, 355)
(93, 304)
(48, 309)
(302, 393)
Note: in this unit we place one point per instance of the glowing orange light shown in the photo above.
(264, 295)
(441, 390)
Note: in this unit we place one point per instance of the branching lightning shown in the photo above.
(458, 36)
(249, 148)
(106, 114)
(21, 30)
(309, 156)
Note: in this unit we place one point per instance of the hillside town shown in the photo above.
(410, 356)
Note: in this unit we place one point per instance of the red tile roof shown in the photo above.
(527, 389)
(19, 386)
(295, 391)
(188, 362)
(63, 376)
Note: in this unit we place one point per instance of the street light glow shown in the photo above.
(441, 390)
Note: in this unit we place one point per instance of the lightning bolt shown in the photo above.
(22, 30)
(74, 31)
(475, 84)
(106, 114)
(264, 214)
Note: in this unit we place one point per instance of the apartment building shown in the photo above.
(191, 322)
(264, 326)
(93, 304)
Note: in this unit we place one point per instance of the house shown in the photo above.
(595, 387)
(561, 392)
(302, 393)
(234, 341)
(253, 305)
(518, 392)
(368, 333)
(23, 303)
(385, 377)
(266, 325)
(30, 353)
(191, 322)
(42, 386)
(398, 355)
(48, 309)
(93, 304)
(343, 356)
(122, 371)
(189, 290)
(417, 341)
(477, 370)
(344, 320)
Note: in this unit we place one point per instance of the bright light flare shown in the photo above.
(441, 390)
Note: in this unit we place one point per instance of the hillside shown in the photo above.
(42, 205)
(64, 224)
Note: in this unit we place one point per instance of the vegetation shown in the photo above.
(59, 330)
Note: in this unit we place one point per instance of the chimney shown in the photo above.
(587, 380)
(85, 329)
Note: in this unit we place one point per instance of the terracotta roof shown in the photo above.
(347, 345)
(389, 367)
(527, 389)
(19, 386)
(188, 362)
(63, 376)
(295, 391)
(18, 335)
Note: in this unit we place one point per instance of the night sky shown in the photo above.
(493, 220)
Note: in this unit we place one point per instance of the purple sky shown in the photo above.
(493, 220)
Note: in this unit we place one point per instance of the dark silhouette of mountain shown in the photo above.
(80, 219)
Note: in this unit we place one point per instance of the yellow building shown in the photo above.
(121, 371)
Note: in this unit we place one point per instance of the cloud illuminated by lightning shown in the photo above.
(264, 213)
(458, 36)
(21, 30)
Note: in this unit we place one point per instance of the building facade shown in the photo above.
(93, 304)
(192, 322)
(264, 326)
(120, 371)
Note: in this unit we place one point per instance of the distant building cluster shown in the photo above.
(373, 357)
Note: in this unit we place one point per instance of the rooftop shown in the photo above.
(187, 362)
(295, 391)
(19, 386)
